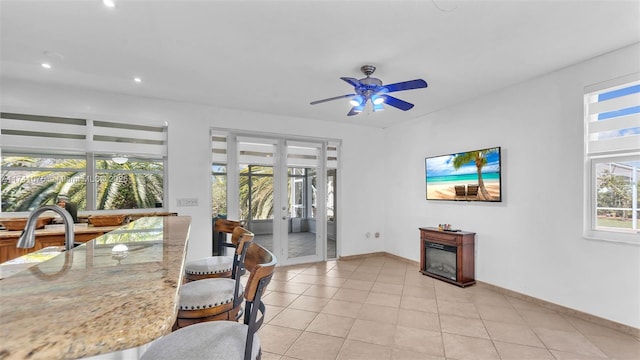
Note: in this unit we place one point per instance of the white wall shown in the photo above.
(189, 152)
(531, 242)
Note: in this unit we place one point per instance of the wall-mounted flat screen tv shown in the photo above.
(466, 176)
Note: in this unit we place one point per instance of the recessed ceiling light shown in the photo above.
(50, 59)
(137, 79)
(109, 3)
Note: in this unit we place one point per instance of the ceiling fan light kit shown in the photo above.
(377, 99)
(370, 89)
(357, 100)
(120, 159)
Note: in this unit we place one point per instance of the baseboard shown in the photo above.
(400, 258)
(379, 253)
(363, 256)
(630, 330)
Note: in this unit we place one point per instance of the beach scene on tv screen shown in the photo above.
(471, 176)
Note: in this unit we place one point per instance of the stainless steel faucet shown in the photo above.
(28, 239)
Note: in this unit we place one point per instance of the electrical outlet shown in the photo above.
(377, 234)
(187, 202)
(367, 235)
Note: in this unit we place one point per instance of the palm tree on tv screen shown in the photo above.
(479, 157)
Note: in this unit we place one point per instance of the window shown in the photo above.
(136, 184)
(612, 159)
(44, 156)
(30, 181)
(219, 190)
(219, 174)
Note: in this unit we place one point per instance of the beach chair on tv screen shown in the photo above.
(472, 192)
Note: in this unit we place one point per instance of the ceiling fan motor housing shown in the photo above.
(368, 86)
(368, 69)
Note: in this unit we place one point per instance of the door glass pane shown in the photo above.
(302, 161)
(301, 232)
(331, 215)
(256, 202)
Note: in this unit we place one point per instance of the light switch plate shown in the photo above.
(187, 202)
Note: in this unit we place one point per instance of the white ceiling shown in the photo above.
(277, 56)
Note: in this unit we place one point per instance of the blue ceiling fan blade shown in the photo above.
(352, 81)
(406, 85)
(397, 103)
(353, 111)
(332, 98)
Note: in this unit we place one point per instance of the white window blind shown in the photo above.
(303, 154)
(219, 147)
(261, 151)
(24, 131)
(256, 151)
(613, 111)
(251, 150)
(332, 154)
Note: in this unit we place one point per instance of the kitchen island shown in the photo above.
(96, 299)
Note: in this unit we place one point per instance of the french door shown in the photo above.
(283, 190)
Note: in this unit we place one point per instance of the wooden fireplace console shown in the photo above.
(464, 243)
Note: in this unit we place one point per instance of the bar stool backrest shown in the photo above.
(225, 225)
(222, 227)
(240, 238)
(261, 263)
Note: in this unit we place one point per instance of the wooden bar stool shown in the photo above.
(224, 339)
(222, 227)
(215, 298)
(216, 266)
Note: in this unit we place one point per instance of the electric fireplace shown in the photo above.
(448, 255)
(441, 260)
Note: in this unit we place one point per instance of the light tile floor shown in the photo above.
(383, 308)
(300, 244)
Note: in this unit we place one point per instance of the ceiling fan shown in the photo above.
(371, 89)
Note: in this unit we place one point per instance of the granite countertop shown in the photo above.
(26, 261)
(86, 301)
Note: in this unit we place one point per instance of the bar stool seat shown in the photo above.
(226, 340)
(197, 295)
(211, 266)
(217, 266)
